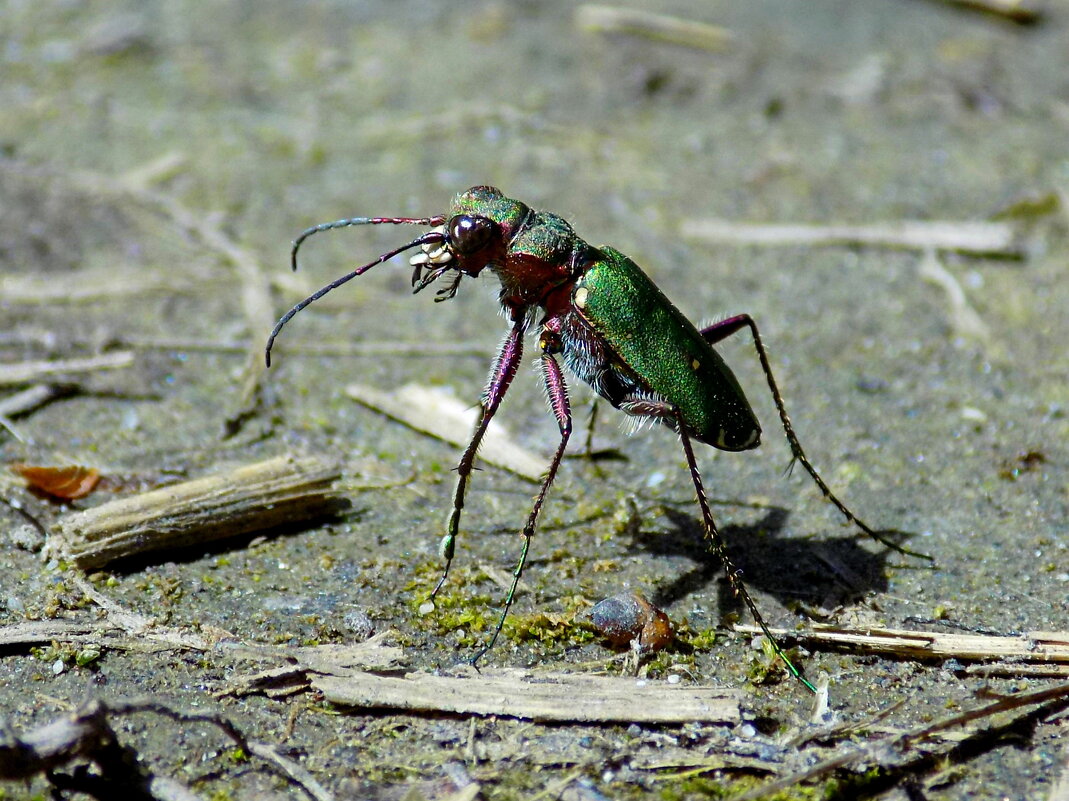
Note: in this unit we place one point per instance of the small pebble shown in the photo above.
(358, 622)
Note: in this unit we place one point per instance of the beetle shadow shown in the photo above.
(820, 574)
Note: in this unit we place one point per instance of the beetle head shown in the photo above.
(476, 233)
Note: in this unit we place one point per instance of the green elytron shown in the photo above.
(613, 328)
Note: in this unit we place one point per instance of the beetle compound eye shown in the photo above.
(469, 234)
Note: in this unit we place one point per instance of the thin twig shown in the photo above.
(973, 238)
(95, 286)
(7, 425)
(33, 398)
(427, 349)
(87, 734)
(658, 27)
(301, 777)
(1023, 12)
(1043, 647)
(964, 319)
(34, 371)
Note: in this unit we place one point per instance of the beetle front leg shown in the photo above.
(725, 328)
(557, 395)
(504, 370)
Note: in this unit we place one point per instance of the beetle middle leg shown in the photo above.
(557, 395)
(725, 328)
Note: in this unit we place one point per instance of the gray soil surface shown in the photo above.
(937, 408)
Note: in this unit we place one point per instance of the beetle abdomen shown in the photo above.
(663, 352)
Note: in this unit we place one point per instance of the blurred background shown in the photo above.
(157, 159)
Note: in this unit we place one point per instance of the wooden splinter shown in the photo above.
(253, 497)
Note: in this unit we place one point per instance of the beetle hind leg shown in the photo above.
(717, 542)
(725, 328)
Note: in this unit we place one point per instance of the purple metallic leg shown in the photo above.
(557, 395)
(504, 370)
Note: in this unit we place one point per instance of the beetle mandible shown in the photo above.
(612, 327)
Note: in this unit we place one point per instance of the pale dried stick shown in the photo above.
(659, 27)
(964, 319)
(536, 696)
(974, 238)
(252, 497)
(1045, 647)
(32, 371)
(434, 412)
(1023, 12)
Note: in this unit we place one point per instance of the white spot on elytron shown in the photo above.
(695, 364)
(720, 436)
(580, 296)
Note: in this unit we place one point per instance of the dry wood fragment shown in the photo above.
(1023, 12)
(896, 750)
(331, 660)
(431, 350)
(1033, 647)
(32, 398)
(36, 632)
(1017, 670)
(659, 27)
(964, 319)
(33, 371)
(440, 415)
(254, 497)
(87, 734)
(999, 239)
(128, 631)
(558, 697)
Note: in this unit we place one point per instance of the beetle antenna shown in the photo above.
(350, 221)
(429, 238)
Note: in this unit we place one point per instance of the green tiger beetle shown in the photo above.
(611, 326)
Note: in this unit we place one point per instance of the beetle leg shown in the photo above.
(591, 421)
(720, 550)
(725, 328)
(557, 395)
(504, 370)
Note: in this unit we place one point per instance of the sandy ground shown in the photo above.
(157, 159)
